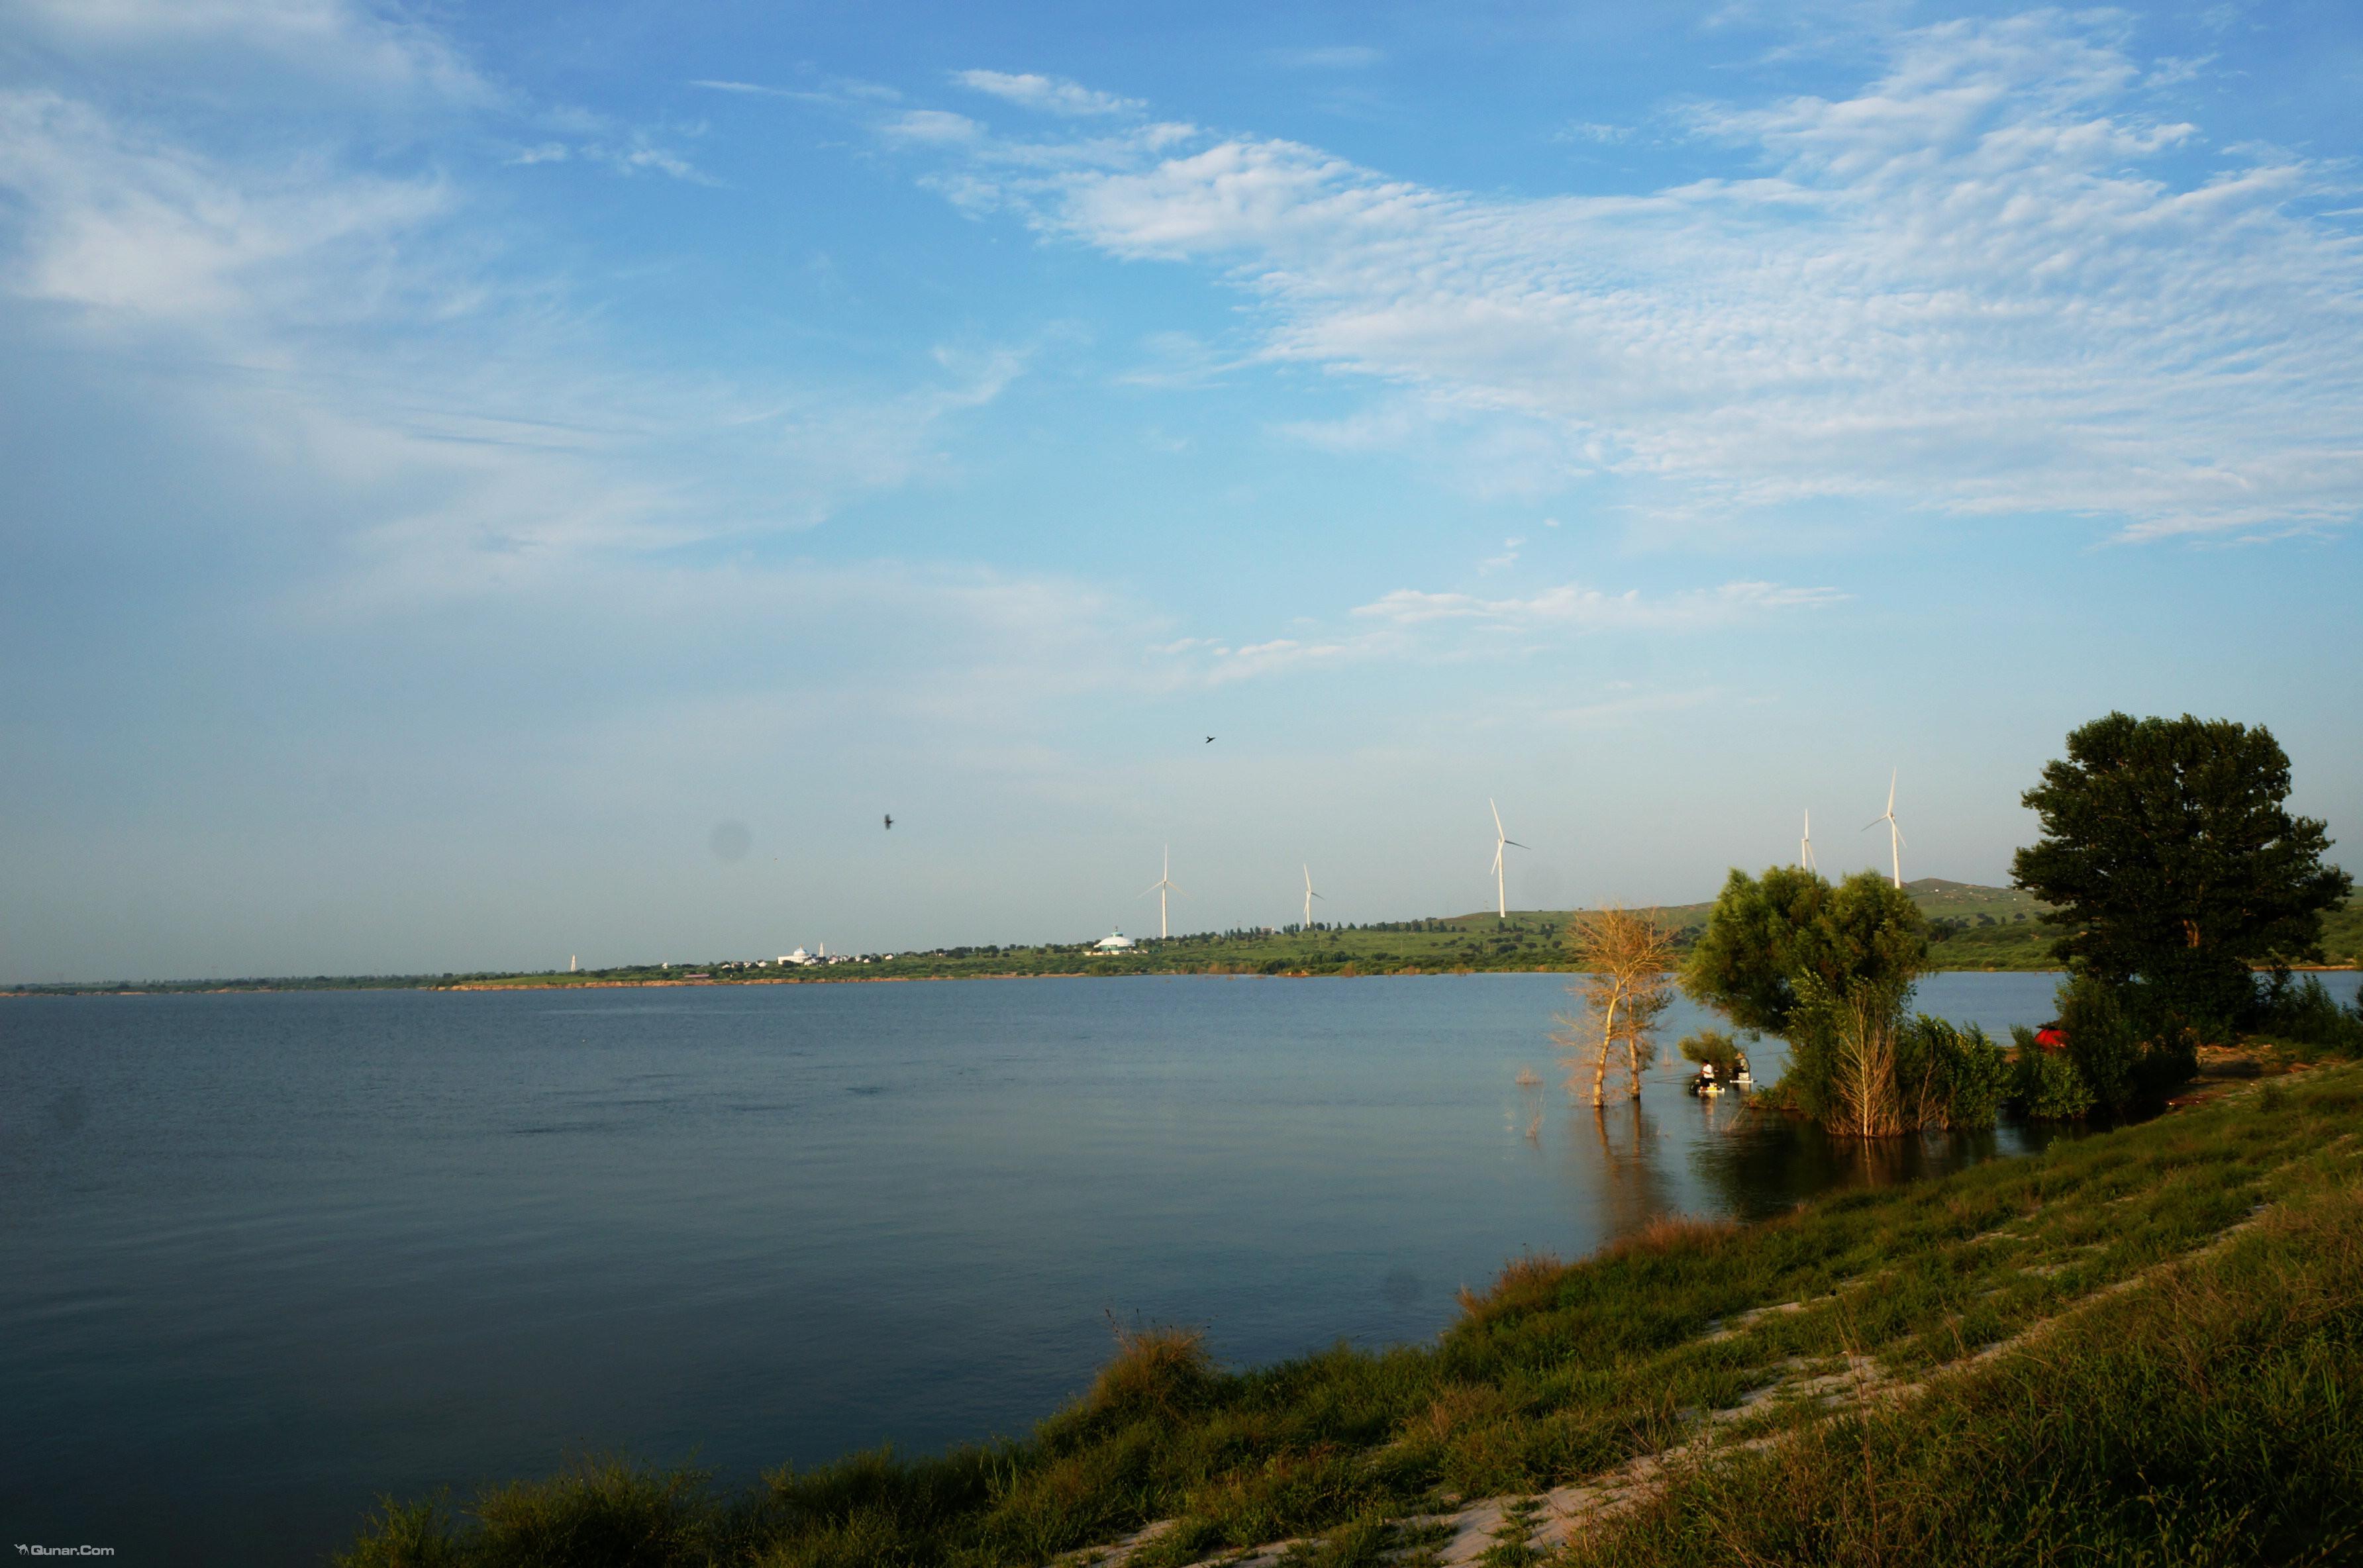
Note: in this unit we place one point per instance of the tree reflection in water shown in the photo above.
(1765, 1162)
(1625, 1145)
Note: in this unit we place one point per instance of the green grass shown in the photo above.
(2342, 934)
(1561, 1371)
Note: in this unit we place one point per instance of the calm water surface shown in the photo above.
(269, 1256)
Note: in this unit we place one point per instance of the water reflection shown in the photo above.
(1765, 1163)
(1622, 1149)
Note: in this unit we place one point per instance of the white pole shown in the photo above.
(1894, 832)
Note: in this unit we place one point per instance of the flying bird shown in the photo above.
(1210, 740)
(889, 822)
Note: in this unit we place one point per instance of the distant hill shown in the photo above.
(1970, 903)
(1976, 927)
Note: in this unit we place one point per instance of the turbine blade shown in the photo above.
(1872, 823)
(1497, 819)
(1323, 897)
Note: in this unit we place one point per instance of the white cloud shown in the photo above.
(1573, 607)
(935, 127)
(1334, 57)
(1967, 287)
(128, 226)
(1413, 624)
(1047, 94)
(335, 41)
(451, 430)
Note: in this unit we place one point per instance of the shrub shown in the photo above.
(602, 1514)
(2304, 1014)
(1712, 1046)
(2127, 1048)
(2045, 1084)
(1962, 1077)
(1157, 1372)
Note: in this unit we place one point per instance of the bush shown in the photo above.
(2304, 1014)
(2126, 1045)
(1963, 1075)
(1714, 1046)
(2045, 1084)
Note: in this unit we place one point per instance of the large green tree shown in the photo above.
(1773, 942)
(2173, 864)
(1829, 968)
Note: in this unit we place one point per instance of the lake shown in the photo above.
(268, 1255)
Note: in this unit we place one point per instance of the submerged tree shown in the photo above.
(1626, 990)
(2173, 864)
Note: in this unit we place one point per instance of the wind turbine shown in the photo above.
(1502, 841)
(1162, 886)
(1805, 846)
(1309, 896)
(1894, 830)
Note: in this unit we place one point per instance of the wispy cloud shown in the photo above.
(1048, 94)
(356, 46)
(1413, 624)
(1969, 287)
(503, 438)
(1507, 558)
(1332, 57)
(1573, 607)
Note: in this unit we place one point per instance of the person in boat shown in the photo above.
(1707, 1077)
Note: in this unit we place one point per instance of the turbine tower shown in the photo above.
(1502, 841)
(1894, 830)
(1162, 886)
(1309, 896)
(1805, 846)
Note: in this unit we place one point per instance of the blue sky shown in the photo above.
(472, 468)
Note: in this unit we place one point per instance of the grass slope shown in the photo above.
(2209, 1414)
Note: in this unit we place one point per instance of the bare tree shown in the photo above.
(1624, 991)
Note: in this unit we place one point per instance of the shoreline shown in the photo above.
(171, 987)
(2056, 1302)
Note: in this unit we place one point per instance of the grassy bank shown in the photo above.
(2138, 1345)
